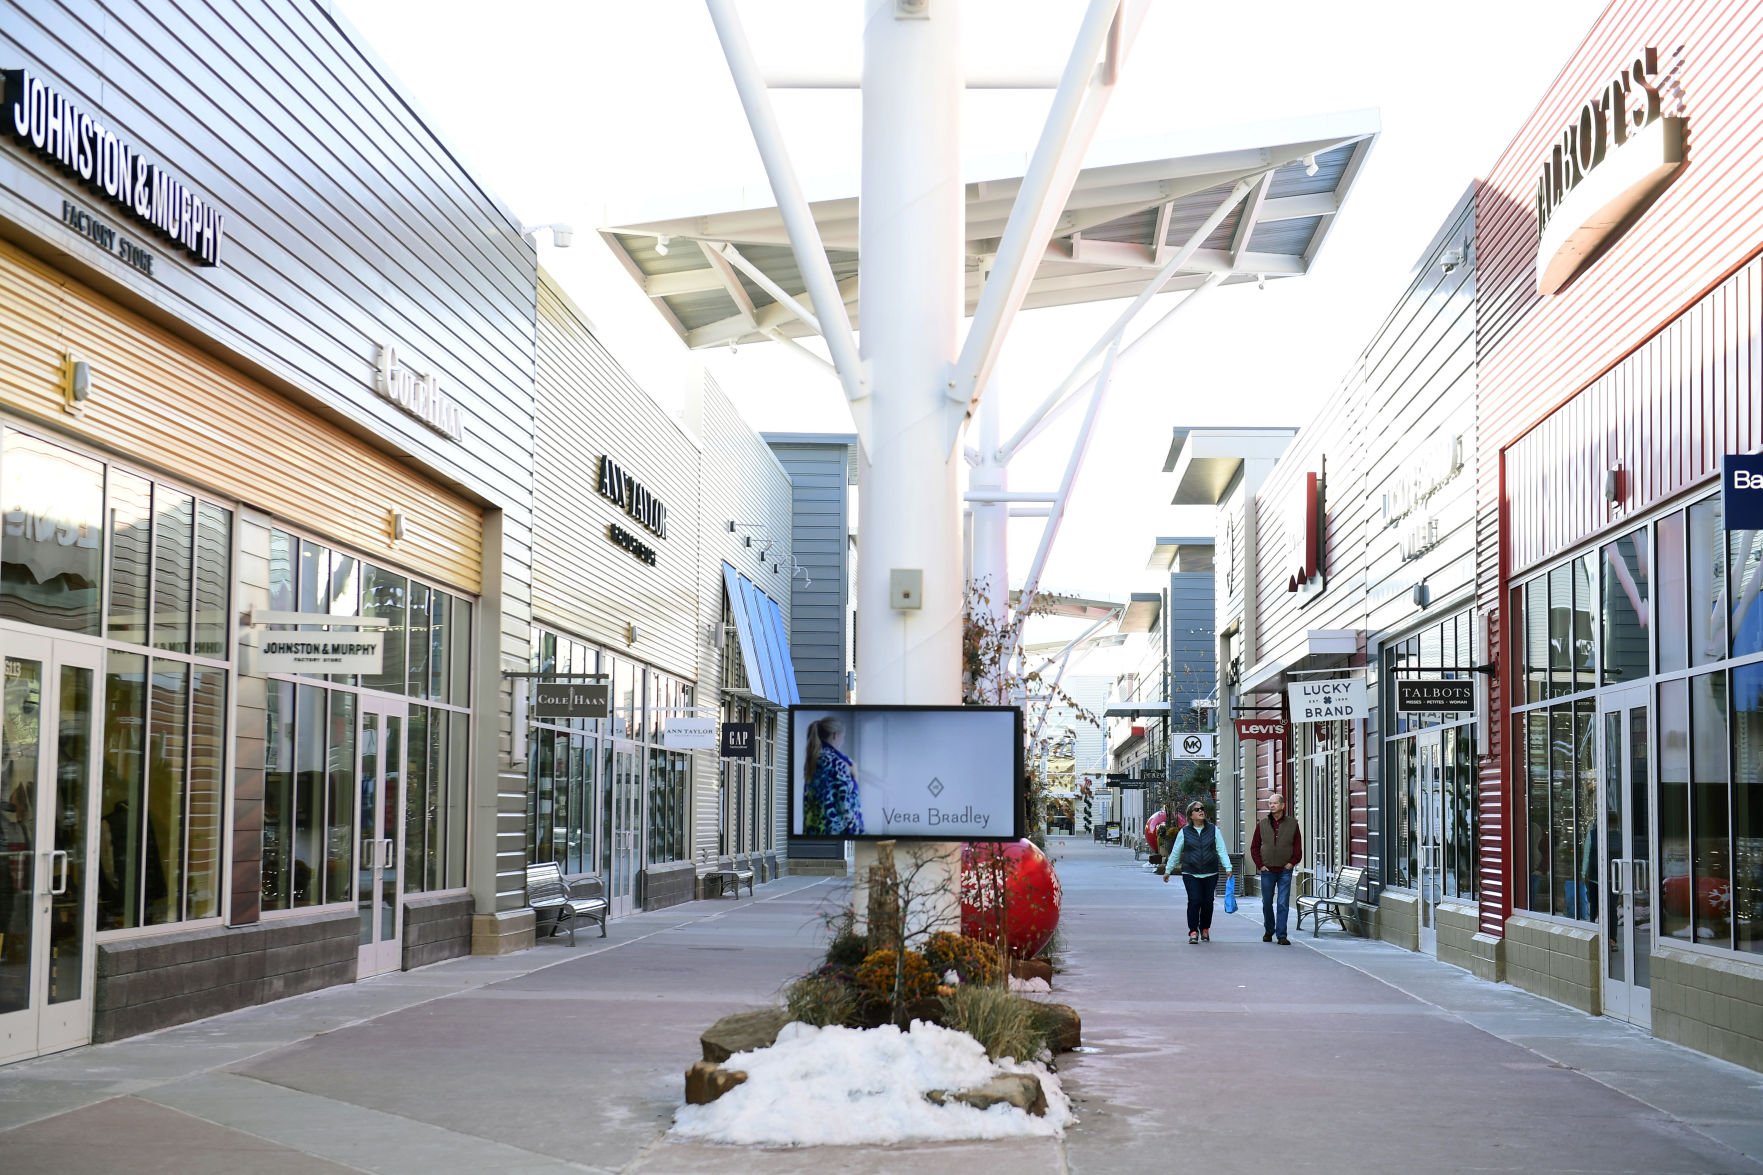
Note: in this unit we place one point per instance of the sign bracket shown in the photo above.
(1490, 668)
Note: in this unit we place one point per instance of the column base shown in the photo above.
(502, 933)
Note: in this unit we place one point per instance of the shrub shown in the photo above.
(973, 960)
(875, 977)
(1007, 1025)
(821, 998)
(847, 947)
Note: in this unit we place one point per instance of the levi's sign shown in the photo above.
(1327, 701)
(1250, 730)
(1435, 697)
(40, 117)
(1741, 491)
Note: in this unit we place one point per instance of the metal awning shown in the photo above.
(1142, 612)
(1206, 460)
(720, 268)
(1069, 607)
(765, 646)
(1318, 648)
(1136, 711)
(1165, 551)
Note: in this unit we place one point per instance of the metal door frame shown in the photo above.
(381, 955)
(1621, 878)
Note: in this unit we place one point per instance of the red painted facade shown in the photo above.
(1648, 359)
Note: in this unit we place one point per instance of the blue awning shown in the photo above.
(765, 646)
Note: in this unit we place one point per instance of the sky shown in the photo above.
(590, 112)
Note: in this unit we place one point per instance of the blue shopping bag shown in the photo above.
(1230, 895)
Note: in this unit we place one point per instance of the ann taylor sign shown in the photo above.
(618, 486)
(43, 119)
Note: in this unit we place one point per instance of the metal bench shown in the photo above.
(558, 901)
(725, 875)
(1341, 899)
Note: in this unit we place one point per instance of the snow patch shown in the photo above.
(865, 1087)
(1034, 986)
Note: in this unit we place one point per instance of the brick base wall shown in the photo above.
(1709, 1003)
(1555, 960)
(151, 983)
(1456, 926)
(1398, 919)
(436, 928)
(668, 885)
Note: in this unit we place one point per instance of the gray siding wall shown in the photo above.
(1193, 652)
(819, 617)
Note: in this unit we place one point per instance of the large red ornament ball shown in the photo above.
(1152, 825)
(1018, 879)
(1713, 896)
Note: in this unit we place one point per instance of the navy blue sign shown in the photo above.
(737, 740)
(1741, 491)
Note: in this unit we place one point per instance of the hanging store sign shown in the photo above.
(1251, 730)
(1741, 491)
(689, 734)
(1615, 155)
(1307, 527)
(312, 652)
(737, 740)
(618, 486)
(1435, 697)
(417, 395)
(1193, 746)
(568, 699)
(41, 118)
(1327, 701)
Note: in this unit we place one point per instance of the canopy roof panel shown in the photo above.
(1133, 206)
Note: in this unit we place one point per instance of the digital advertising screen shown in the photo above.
(951, 773)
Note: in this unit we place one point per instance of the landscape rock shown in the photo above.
(1032, 969)
(706, 1081)
(742, 1032)
(1064, 1026)
(1022, 1090)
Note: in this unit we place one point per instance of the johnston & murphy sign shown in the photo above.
(51, 125)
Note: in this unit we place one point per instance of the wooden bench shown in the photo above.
(558, 901)
(1341, 899)
(725, 874)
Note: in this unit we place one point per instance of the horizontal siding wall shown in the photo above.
(1536, 353)
(818, 536)
(159, 401)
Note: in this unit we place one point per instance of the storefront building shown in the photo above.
(264, 513)
(1619, 295)
(661, 551)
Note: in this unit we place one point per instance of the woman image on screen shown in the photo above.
(829, 795)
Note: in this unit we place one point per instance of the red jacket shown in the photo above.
(1255, 845)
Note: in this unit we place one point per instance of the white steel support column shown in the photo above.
(991, 521)
(910, 245)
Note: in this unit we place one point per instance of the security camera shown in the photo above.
(562, 235)
(1452, 259)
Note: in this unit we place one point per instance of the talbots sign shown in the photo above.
(1435, 697)
(1616, 153)
(40, 117)
(1327, 701)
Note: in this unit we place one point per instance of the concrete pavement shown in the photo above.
(1341, 1055)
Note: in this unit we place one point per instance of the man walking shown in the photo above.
(1277, 848)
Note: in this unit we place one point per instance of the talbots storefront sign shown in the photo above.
(1615, 155)
(40, 117)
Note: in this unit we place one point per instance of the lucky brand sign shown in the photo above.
(1327, 701)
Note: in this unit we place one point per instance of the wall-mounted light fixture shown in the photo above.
(1261, 281)
(1422, 595)
(394, 525)
(561, 234)
(1613, 484)
(661, 245)
(76, 384)
(1309, 165)
(630, 634)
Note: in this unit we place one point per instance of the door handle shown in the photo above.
(1615, 867)
(60, 885)
(390, 848)
(1638, 878)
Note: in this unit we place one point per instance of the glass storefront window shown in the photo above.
(131, 556)
(1707, 583)
(1429, 768)
(174, 560)
(52, 549)
(1536, 640)
(1674, 646)
(1745, 572)
(1674, 809)
(1747, 806)
(1710, 827)
(1626, 612)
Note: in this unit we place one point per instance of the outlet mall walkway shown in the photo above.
(1333, 1055)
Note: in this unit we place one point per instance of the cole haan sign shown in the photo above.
(417, 395)
(43, 119)
(1616, 154)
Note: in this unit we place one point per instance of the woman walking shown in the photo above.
(1201, 858)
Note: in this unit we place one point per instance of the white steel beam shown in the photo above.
(1071, 123)
(731, 282)
(851, 79)
(817, 273)
(1112, 336)
(1246, 221)
(783, 297)
(1065, 659)
(778, 336)
(766, 319)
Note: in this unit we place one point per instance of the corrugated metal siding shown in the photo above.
(1193, 651)
(819, 523)
(159, 401)
(1535, 353)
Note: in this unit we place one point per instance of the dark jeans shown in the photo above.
(1201, 891)
(1276, 895)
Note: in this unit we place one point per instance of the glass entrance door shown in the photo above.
(1624, 909)
(47, 892)
(1429, 837)
(379, 840)
(622, 849)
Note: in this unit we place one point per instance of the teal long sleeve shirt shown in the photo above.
(1174, 865)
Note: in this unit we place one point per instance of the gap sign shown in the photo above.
(1435, 697)
(1741, 491)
